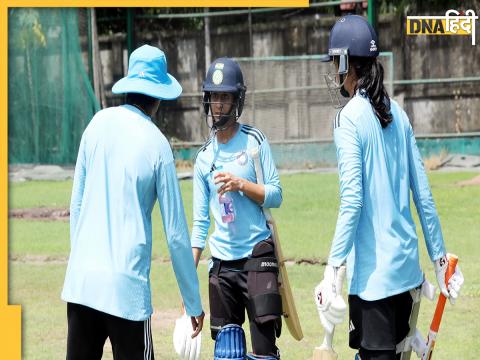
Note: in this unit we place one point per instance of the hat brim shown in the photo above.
(169, 90)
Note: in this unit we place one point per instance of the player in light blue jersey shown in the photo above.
(244, 270)
(124, 166)
(379, 166)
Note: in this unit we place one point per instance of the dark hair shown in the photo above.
(370, 81)
(144, 101)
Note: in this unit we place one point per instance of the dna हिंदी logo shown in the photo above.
(453, 23)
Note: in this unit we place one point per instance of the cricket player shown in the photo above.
(379, 166)
(124, 165)
(243, 270)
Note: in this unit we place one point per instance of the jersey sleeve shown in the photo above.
(273, 190)
(78, 186)
(422, 197)
(201, 215)
(176, 233)
(349, 157)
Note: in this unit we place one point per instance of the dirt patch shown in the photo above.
(40, 214)
(437, 161)
(39, 259)
(315, 261)
(471, 182)
(165, 319)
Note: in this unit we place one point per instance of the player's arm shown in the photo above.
(328, 298)
(78, 187)
(349, 156)
(176, 232)
(427, 213)
(201, 214)
(422, 197)
(273, 190)
(197, 253)
(269, 194)
(230, 182)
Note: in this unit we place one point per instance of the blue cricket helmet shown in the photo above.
(224, 75)
(352, 35)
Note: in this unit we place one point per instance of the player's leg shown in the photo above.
(263, 301)
(262, 334)
(376, 354)
(226, 306)
(377, 326)
(227, 312)
(264, 340)
(131, 340)
(86, 332)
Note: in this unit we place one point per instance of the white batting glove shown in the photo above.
(328, 298)
(186, 347)
(452, 288)
(454, 284)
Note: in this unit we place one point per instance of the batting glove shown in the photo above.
(451, 289)
(328, 298)
(186, 347)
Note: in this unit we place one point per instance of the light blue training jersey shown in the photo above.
(124, 165)
(377, 169)
(235, 240)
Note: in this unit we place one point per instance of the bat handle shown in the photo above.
(328, 339)
(437, 316)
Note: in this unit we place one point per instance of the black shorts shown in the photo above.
(380, 324)
(88, 330)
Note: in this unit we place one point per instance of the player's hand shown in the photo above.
(229, 182)
(197, 324)
(451, 289)
(328, 298)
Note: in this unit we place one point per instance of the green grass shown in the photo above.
(306, 223)
(38, 238)
(30, 194)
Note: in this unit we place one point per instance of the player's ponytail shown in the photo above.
(370, 81)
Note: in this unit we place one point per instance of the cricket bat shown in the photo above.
(289, 310)
(437, 316)
(325, 351)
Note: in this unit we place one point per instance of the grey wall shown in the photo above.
(434, 108)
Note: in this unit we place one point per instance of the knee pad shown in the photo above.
(230, 343)
(264, 296)
(251, 356)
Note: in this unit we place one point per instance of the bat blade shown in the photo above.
(323, 353)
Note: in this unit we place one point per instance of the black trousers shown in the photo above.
(228, 294)
(88, 330)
